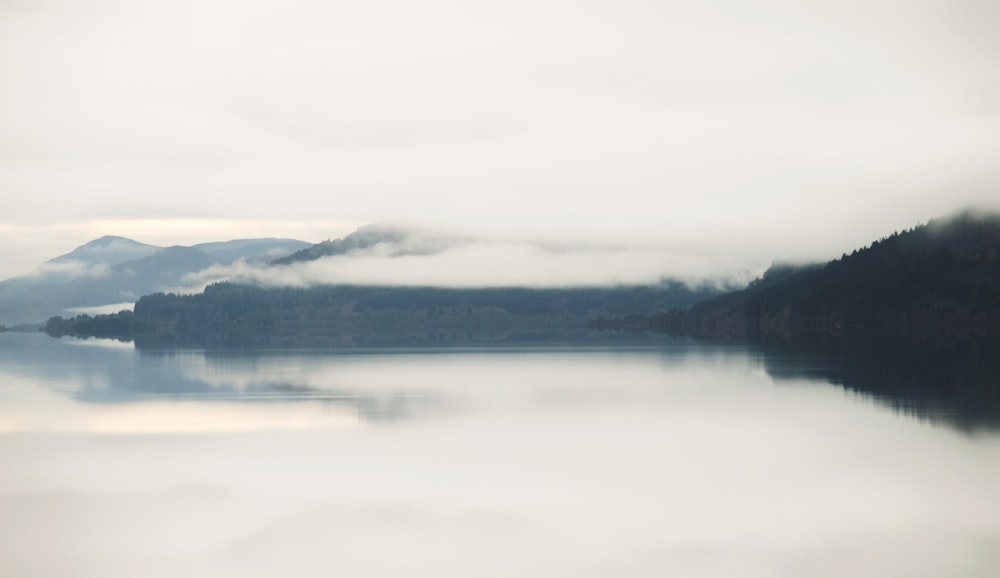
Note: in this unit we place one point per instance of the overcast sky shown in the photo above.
(724, 132)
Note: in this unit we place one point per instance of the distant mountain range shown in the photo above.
(116, 270)
(935, 282)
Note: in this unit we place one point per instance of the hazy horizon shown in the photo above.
(413, 256)
(821, 421)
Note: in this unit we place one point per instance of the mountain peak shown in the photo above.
(114, 269)
(108, 239)
(109, 250)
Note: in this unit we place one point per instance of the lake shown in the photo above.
(660, 458)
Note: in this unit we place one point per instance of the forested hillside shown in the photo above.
(936, 281)
(232, 315)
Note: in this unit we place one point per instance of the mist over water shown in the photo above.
(532, 461)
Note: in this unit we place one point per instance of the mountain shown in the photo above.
(164, 268)
(108, 250)
(383, 239)
(939, 281)
(936, 282)
(256, 250)
(115, 271)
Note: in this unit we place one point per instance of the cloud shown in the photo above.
(102, 309)
(71, 269)
(673, 123)
(487, 263)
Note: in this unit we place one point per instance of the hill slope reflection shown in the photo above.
(676, 459)
(957, 384)
(108, 387)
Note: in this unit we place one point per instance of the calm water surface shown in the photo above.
(664, 460)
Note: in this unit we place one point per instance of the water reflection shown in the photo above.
(105, 386)
(678, 459)
(957, 384)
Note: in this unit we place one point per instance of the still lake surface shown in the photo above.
(651, 459)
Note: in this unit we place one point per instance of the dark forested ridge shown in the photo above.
(233, 315)
(939, 281)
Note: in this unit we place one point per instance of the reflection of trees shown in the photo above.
(957, 383)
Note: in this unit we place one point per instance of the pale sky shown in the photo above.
(733, 131)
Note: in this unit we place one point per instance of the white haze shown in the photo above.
(101, 309)
(70, 269)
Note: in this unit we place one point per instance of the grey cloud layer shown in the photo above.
(808, 127)
(476, 263)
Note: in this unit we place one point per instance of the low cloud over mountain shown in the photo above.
(391, 255)
(116, 271)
